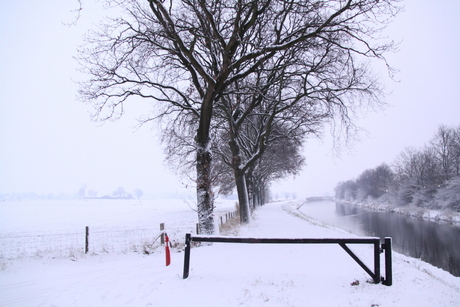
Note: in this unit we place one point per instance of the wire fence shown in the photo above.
(21, 245)
(76, 243)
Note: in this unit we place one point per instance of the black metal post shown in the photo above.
(377, 262)
(187, 255)
(388, 263)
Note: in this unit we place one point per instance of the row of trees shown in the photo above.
(119, 192)
(237, 85)
(427, 177)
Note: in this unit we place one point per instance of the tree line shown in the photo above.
(427, 177)
(237, 86)
(119, 193)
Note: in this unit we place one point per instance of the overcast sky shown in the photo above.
(49, 145)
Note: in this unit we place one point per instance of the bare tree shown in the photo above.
(426, 177)
(347, 190)
(120, 192)
(257, 155)
(302, 88)
(444, 146)
(259, 111)
(82, 192)
(371, 183)
(282, 158)
(374, 182)
(138, 193)
(456, 151)
(185, 54)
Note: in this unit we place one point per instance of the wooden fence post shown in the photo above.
(162, 227)
(86, 239)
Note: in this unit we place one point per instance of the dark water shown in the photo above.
(438, 244)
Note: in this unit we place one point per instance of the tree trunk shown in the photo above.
(250, 189)
(240, 181)
(241, 188)
(205, 199)
(257, 195)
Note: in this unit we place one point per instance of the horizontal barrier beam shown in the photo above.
(367, 240)
(341, 241)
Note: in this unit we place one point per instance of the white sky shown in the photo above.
(49, 145)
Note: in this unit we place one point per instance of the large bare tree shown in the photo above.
(261, 112)
(184, 54)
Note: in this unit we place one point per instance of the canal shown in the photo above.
(435, 243)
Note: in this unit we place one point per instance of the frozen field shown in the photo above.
(221, 274)
(57, 228)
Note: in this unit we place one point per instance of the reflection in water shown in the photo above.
(432, 242)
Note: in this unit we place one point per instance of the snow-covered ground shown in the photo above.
(221, 274)
(57, 228)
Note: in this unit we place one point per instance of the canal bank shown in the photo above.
(440, 216)
(432, 242)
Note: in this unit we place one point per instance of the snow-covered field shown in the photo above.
(220, 275)
(57, 228)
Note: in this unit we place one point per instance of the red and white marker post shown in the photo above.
(168, 253)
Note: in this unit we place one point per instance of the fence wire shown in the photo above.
(72, 243)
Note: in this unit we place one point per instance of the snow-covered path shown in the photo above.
(230, 275)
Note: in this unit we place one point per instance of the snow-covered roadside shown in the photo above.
(442, 216)
(230, 274)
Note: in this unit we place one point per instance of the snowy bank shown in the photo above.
(230, 274)
(441, 216)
